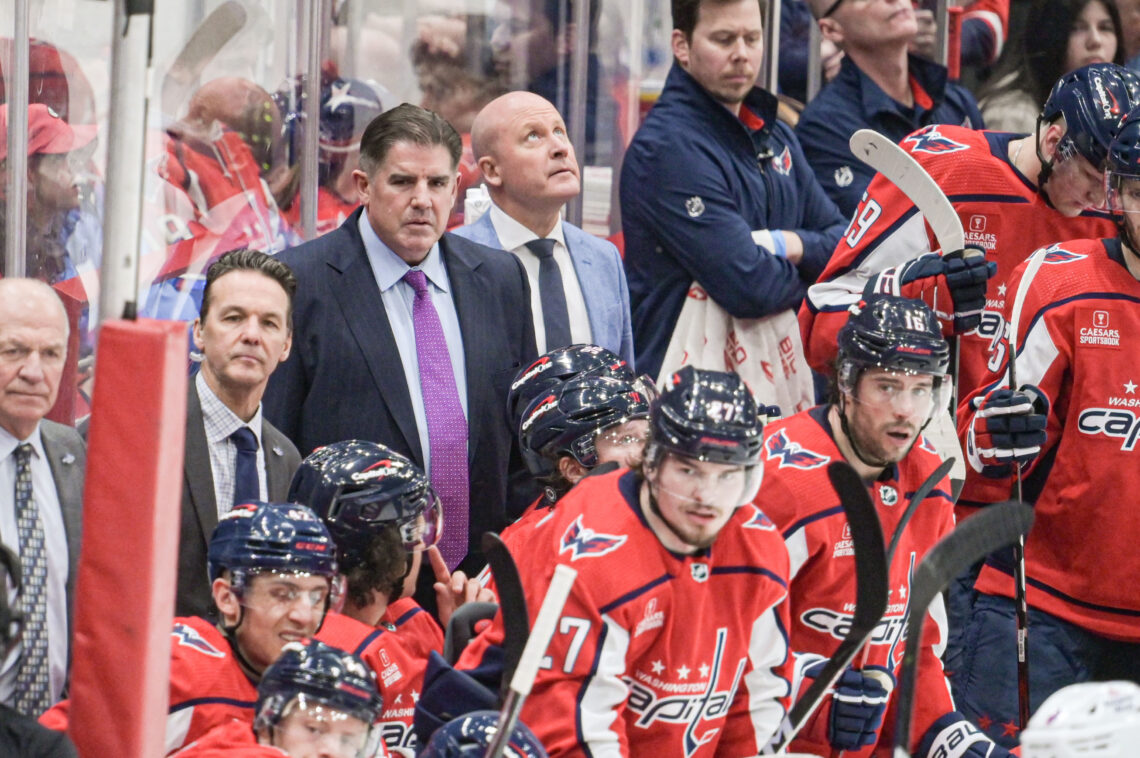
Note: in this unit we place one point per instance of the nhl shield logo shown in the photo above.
(888, 494)
(700, 571)
(695, 206)
(844, 176)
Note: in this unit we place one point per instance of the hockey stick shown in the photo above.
(991, 529)
(532, 655)
(912, 506)
(870, 598)
(512, 601)
(1020, 595)
(222, 25)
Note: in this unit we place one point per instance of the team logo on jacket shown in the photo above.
(584, 542)
(844, 176)
(1057, 254)
(888, 494)
(695, 206)
(793, 454)
(783, 162)
(759, 521)
(189, 636)
(930, 140)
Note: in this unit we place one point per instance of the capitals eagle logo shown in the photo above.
(584, 542)
(793, 454)
(929, 140)
(189, 636)
(1058, 254)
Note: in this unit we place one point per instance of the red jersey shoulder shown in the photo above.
(234, 739)
(797, 450)
(201, 665)
(414, 626)
(1070, 268)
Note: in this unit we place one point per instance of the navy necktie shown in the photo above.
(246, 485)
(33, 679)
(555, 316)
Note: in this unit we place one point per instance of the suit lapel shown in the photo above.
(67, 473)
(364, 314)
(196, 463)
(582, 256)
(278, 477)
(469, 294)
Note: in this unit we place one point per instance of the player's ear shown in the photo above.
(571, 470)
(227, 601)
(831, 30)
(680, 45)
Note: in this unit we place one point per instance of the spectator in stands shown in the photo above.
(880, 86)
(578, 293)
(714, 189)
(1059, 36)
(233, 455)
(985, 27)
(795, 36)
(41, 490)
(1130, 32)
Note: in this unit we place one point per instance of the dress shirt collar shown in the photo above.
(389, 268)
(219, 421)
(9, 443)
(513, 235)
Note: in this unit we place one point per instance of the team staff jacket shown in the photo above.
(208, 687)
(852, 102)
(1075, 341)
(1001, 212)
(797, 495)
(695, 183)
(656, 654)
(399, 675)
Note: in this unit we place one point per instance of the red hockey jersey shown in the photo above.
(656, 654)
(207, 686)
(1074, 342)
(399, 675)
(415, 627)
(797, 495)
(1001, 212)
(234, 739)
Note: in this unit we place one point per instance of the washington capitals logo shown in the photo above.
(584, 542)
(189, 636)
(927, 445)
(1058, 254)
(930, 141)
(783, 162)
(793, 453)
(759, 521)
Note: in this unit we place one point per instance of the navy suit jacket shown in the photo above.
(344, 379)
(600, 275)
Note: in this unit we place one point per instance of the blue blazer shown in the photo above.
(344, 380)
(600, 274)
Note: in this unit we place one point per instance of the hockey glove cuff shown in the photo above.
(952, 736)
(1007, 428)
(858, 702)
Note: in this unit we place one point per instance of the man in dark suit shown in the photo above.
(232, 454)
(407, 336)
(41, 490)
(530, 171)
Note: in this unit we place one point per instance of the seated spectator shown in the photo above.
(880, 86)
(578, 292)
(315, 700)
(985, 28)
(273, 569)
(1059, 36)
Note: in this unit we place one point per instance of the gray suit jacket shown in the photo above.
(67, 457)
(600, 274)
(200, 506)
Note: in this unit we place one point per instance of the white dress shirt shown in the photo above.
(55, 543)
(220, 422)
(514, 237)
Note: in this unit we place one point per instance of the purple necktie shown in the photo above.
(447, 426)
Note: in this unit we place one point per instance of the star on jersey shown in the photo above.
(704, 669)
(415, 696)
(1001, 289)
(683, 672)
(657, 667)
(902, 592)
(1130, 387)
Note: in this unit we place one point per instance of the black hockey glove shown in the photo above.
(962, 273)
(1008, 427)
(858, 702)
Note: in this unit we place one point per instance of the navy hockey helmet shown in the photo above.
(565, 420)
(470, 735)
(891, 332)
(278, 537)
(314, 673)
(707, 415)
(1124, 152)
(358, 488)
(1093, 99)
(558, 366)
(1121, 173)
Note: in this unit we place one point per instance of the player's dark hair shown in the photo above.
(406, 123)
(1035, 59)
(245, 259)
(382, 568)
(686, 13)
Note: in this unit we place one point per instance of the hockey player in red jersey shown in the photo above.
(273, 572)
(891, 380)
(1013, 193)
(383, 515)
(672, 642)
(315, 701)
(1073, 425)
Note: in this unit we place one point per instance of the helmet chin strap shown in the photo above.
(230, 633)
